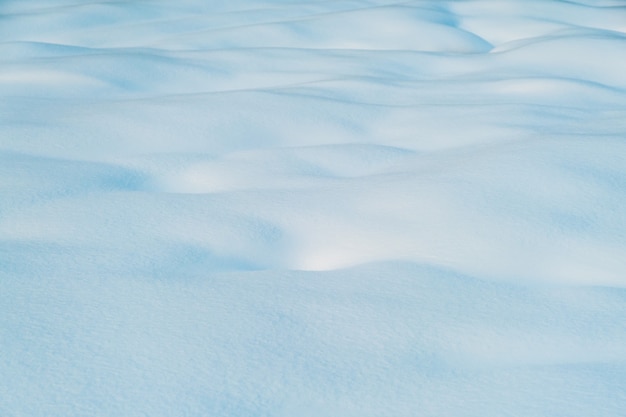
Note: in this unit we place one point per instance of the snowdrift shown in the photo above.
(312, 208)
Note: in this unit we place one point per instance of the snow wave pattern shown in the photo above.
(324, 208)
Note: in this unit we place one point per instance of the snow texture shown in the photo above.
(341, 208)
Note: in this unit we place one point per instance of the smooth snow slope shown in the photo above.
(312, 208)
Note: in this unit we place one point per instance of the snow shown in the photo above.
(313, 208)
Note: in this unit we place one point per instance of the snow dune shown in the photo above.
(312, 208)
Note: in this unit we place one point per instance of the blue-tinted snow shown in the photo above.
(313, 208)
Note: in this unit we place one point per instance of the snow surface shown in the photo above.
(312, 208)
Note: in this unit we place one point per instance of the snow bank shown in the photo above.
(342, 208)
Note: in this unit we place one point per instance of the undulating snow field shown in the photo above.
(347, 208)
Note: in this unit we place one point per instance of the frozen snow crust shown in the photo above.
(312, 208)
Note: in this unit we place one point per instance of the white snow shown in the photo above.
(312, 208)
